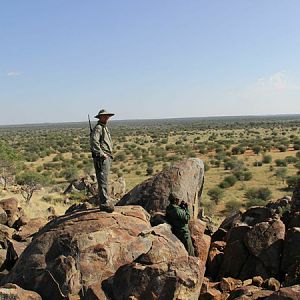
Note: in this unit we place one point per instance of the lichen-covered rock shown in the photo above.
(177, 279)
(14, 292)
(164, 272)
(94, 242)
(186, 178)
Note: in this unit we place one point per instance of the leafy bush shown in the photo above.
(258, 193)
(280, 163)
(291, 159)
(255, 202)
(215, 194)
(228, 182)
(232, 206)
(292, 181)
(70, 173)
(267, 159)
(243, 175)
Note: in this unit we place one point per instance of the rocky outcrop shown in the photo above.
(78, 253)
(259, 246)
(184, 178)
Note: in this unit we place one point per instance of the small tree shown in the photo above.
(280, 173)
(30, 182)
(215, 194)
(8, 163)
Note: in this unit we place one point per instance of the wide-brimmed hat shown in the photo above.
(104, 112)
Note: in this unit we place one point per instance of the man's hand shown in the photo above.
(105, 156)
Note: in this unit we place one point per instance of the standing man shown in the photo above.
(101, 148)
(178, 216)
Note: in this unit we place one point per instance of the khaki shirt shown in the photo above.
(100, 140)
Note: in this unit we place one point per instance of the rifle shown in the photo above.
(90, 124)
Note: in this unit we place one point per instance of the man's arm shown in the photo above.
(183, 214)
(95, 141)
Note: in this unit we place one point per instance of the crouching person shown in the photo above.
(178, 217)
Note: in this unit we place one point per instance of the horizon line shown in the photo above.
(153, 119)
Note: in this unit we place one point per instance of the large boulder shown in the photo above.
(291, 247)
(164, 272)
(78, 252)
(186, 178)
(265, 241)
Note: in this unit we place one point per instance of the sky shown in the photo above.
(63, 59)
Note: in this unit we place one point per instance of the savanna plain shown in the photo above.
(248, 160)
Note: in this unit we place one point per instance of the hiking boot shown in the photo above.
(107, 207)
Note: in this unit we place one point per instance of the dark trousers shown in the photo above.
(102, 168)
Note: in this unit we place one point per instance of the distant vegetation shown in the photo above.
(242, 155)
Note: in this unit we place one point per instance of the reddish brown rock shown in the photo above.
(3, 216)
(219, 235)
(271, 284)
(186, 178)
(253, 266)
(257, 281)
(200, 240)
(158, 281)
(249, 293)
(235, 256)
(228, 284)
(14, 251)
(26, 232)
(10, 206)
(14, 292)
(220, 245)
(257, 214)
(94, 292)
(237, 233)
(291, 248)
(211, 294)
(286, 293)
(75, 252)
(214, 262)
(231, 221)
(265, 241)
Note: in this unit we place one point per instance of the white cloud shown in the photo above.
(14, 73)
(278, 82)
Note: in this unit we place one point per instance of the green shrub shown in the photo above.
(255, 202)
(232, 206)
(267, 159)
(215, 194)
(258, 193)
(228, 182)
(280, 163)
